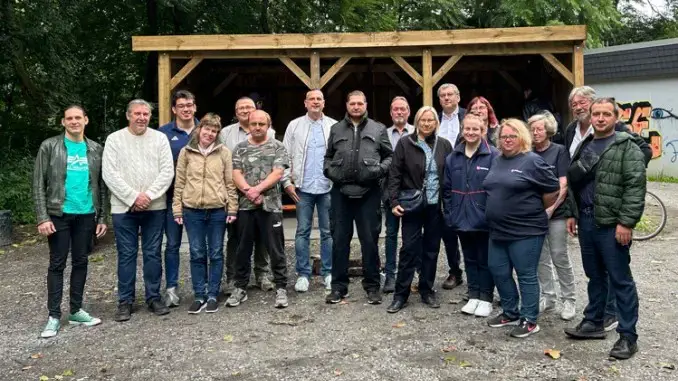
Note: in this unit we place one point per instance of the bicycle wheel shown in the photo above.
(653, 220)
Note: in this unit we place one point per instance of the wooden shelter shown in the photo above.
(324, 60)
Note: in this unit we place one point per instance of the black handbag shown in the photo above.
(414, 200)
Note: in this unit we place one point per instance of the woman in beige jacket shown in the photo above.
(205, 200)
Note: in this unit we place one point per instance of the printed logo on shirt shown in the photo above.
(479, 168)
(516, 171)
(174, 138)
(76, 163)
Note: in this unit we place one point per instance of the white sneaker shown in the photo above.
(172, 299)
(301, 285)
(328, 282)
(281, 298)
(546, 305)
(569, 310)
(470, 307)
(484, 309)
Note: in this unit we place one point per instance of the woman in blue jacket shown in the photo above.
(464, 210)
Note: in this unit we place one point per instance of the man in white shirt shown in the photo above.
(580, 102)
(451, 114)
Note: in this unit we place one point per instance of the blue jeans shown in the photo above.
(392, 226)
(307, 202)
(206, 229)
(605, 260)
(173, 233)
(523, 256)
(127, 226)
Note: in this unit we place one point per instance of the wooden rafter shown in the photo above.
(358, 40)
(510, 80)
(337, 82)
(427, 76)
(445, 68)
(315, 71)
(185, 71)
(227, 81)
(565, 72)
(409, 70)
(403, 86)
(164, 90)
(296, 70)
(332, 71)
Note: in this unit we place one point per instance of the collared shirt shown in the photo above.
(394, 136)
(233, 134)
(314, 181)
(578, 138)
(431, 177)
(178, 138)
(449, 126)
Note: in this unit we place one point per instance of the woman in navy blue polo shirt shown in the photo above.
(464, 209)
(519, 187)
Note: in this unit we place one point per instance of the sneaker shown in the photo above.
(197, 307)
(158, 307)
(431, 300)
(610, 323)
(451, 282)
(470, 307)
(83, 318)
(585, 331)
(328, 282)
(525, 329)
(212, 306)
(484, 309)
(281, 298)
(238, 296)
(335, 297)
(374, 297)
(265, 284)
(569, 310)
(229, 288)
(546, 305)
(124, 312)
(623, 349)
(502, 321)
(172, 299)
(301, 285)
(389, 285)
(51, 329)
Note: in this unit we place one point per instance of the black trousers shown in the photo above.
(74, 233)
(450, 239)
(478, 275)
(259, 224)
(421, 243)
(365, 211)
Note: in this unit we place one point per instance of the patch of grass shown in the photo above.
(661, 178)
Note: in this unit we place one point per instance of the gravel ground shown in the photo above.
(311, 340)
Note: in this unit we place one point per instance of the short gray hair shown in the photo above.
(582, 91)
(401, 98)
(421, 112)
(550, 123)
(138, 102)
(447, 86)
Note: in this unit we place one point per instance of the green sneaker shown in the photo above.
(83, 318)
(51, 329)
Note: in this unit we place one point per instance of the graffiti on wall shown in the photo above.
(638, 115)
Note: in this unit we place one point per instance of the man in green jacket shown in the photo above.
(71, 206)
(608, 186)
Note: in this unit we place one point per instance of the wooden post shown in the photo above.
(578, 64)
(315, 70)
(164, 78)
(427, 74)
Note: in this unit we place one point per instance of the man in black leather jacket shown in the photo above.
(357, 160)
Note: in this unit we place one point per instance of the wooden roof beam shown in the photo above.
(409, 70)
(332, 71)
(297, 71)
(445, 68)
(220, 87)
(185, 71)
(337, 82)
(565, 72)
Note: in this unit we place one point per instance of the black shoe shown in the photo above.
(525, 329)
(389, 285)
(430, 300)
(212, 306)
(502, 321)
(623, 349)
(197, 306)
(158, 307)
(610, 323)
(585, 331)
(374, 297)
(124, 312)
(452, 281)
(396, 306)
(334, 297)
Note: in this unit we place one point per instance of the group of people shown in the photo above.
(508, 192)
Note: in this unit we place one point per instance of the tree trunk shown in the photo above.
(263, 17)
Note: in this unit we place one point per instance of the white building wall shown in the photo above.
(646, 104)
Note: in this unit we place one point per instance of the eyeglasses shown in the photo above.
(184, 106)
(508, 137)
(244, 108)
(259, 124)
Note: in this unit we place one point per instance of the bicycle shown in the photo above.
(653, 220)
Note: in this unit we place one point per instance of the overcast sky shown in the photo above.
(659, 5)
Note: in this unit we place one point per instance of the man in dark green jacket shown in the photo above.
(608, 184)
(71, 202)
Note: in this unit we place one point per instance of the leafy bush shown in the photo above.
(16, 174)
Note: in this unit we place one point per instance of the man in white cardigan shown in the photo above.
(138, 169)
